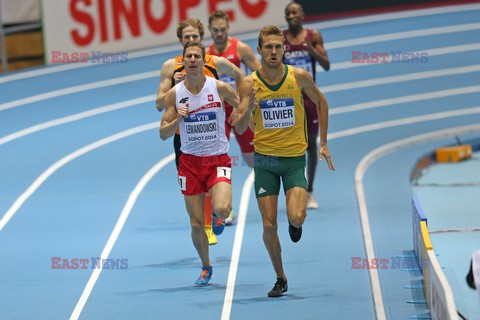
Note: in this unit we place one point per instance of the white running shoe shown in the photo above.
(311, 201)
(230, 219)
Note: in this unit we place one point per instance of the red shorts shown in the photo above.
(245, 140)
(197, 175)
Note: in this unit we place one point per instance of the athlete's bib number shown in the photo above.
(182, 181)
(302, 62)
(277, 113)
(201, 126)
(224, 172)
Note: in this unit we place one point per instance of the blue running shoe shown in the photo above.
(205, 276)
(217, 224)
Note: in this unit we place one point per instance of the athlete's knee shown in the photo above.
(269, 226)
(222, 209)
(298, 218)
(196, 223)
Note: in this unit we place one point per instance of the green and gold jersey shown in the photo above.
(279, 117)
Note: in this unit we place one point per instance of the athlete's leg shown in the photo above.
(312, 161)
(194, 205)
(268, 209)
(296, 206)
(221, 193)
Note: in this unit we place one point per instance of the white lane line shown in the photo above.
(132, 198)
(368, 243)
(75, 117)
(156, 73)
(431, 53)
(360, 171)
(327, 89)
(404, 99)
(66, 67)
(403, 35)
(237, 246)
(65, 160)
(402, 122)
(401, 78)
(408, 14)
(253, 35)
(80, 88)
(247, 187)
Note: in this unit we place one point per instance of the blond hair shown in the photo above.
(268, 31)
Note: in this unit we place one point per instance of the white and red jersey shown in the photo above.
(202, 133)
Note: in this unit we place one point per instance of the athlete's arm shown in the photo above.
(165, 83)
(247, 56)
(306, 83)
(317, 50)
(226, 67)
(171, 118)
(227, 93)
(247, 104)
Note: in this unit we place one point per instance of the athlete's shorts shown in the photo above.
(269, 170)
(245, 140)
(312, 116)
(199, 174)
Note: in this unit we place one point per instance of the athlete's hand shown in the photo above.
(182, 113)
(309, 46)
(233, 117)
(324, 153)
(178, 77)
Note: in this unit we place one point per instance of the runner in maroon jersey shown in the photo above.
(303, 48)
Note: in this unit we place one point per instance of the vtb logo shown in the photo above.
(183, 100)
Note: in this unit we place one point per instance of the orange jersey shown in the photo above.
(209, 68)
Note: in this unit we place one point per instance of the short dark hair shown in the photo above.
(219, 14)
(194, 22)
(294, 3)
(268, 31)
(194, 44)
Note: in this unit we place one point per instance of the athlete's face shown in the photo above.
(190, 33)
(219, 30)
(193, 60)
(294, 15)
(271, 50)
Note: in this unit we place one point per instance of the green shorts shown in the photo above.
(269, 170)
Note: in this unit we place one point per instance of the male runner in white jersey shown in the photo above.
(196, 107)
(172, 73)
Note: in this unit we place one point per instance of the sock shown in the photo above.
(207, 210)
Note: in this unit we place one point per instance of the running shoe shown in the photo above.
(279, 288)
(217, 224)
(205, 276)
(231, 218)
(295, 233)
(311, 201)
(212, 239)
